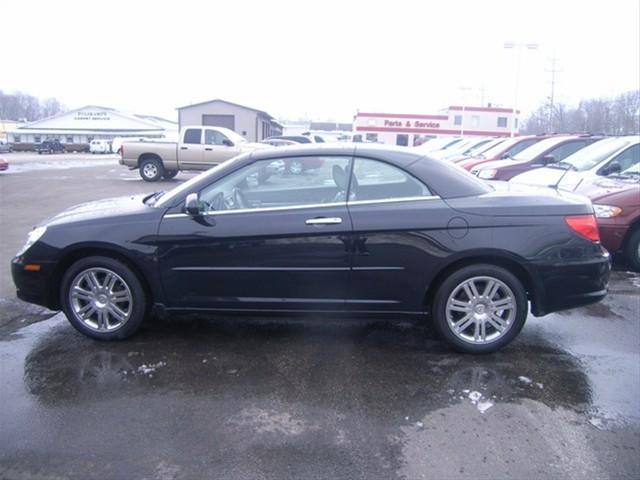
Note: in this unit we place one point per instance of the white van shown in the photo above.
(100, 146)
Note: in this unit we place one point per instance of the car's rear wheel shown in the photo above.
(103, 298)
(169, 174)
(151, 169)
(632, 250)
(480, 308)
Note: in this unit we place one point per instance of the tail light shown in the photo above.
(585, 226)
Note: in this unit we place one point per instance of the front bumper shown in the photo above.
(35, 287)
(570, 285)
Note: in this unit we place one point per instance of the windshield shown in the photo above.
(233, 136)
(501, 147)
(478, 149)
(537, 149)
(166, 199)
(592, 155)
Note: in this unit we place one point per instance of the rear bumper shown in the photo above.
(570, 285)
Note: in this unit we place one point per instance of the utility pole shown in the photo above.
(553, 70)
(518, 47)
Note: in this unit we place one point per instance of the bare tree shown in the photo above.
(22, 107)
(611, 116)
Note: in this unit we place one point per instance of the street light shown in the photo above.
(464, 98)
(519, 47)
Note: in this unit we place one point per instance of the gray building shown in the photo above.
(252, 124)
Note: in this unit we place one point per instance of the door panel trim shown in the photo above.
(263, 269)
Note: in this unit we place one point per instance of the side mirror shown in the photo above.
(613, 167)
(547, 159)
(228, 143)
(192, 204)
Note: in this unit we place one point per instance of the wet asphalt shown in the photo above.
(306, 398)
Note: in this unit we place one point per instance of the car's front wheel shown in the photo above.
(151, 169)
(480, 308)
(103, 298)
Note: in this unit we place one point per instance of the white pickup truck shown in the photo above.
(198, 148)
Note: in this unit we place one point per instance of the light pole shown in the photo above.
(464, 98)
(519, 47)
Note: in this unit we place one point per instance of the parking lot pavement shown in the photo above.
(305, 398)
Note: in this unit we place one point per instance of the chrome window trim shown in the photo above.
(311, 205)
(393, 200)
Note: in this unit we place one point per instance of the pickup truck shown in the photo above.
(199, 148)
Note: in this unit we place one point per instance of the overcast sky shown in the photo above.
(322, 60)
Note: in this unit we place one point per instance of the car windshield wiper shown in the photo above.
(563, 166)
(153, 198)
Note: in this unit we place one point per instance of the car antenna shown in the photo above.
(556, 186)
(577, 185)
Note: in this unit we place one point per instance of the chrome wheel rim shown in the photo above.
(150, 170)
(100, 299)
(481, 310)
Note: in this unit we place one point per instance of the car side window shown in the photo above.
(628, 158)
(563, 151)
(282, 182)
(521, 146)
(211, 137)
(192, 136)
(376, 180)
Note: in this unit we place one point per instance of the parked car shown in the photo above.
(99, 146)
(476, 150)
(610, 155)
(507, 149)
(199, 148)
(375, 231)
(460, 148)
(50, 146)
(438, 143)
(542, 153)
(4, 165)
(616, 201)
(294, 138)
(279, 142)
(5, 147)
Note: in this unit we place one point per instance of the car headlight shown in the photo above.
(33, 236)
(606, 211)
(488, 173)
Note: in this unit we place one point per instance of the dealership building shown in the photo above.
(413, 129)
(91, 122)
(251, 123)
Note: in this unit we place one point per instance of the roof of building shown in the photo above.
(133, 121)
(260, 112)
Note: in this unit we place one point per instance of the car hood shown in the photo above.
(119, 207)
(508, 199)
(612, 189)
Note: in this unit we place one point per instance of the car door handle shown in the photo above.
(324, 221)
(184, 148)
(208, 149)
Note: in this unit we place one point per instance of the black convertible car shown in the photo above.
(371, 231)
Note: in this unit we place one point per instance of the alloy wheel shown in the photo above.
(100, 299)
(481, 309)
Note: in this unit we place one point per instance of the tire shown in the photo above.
(466, 312)
(126, 295)
(151, 169)
(632, 250)
(169, 174)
